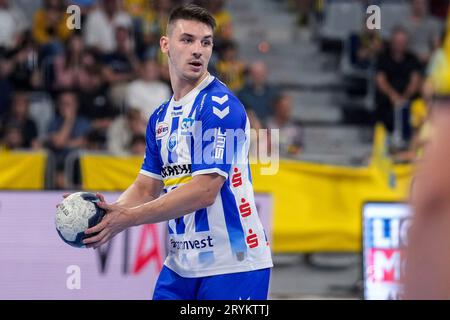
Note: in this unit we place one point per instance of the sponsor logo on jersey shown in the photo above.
(221, 113)
(186, 126)
(177, 113)
(161, 130)
(175, 170)
(220, 140)
(192, 244)
(172, 142)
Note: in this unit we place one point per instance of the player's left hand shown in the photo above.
(115, 221)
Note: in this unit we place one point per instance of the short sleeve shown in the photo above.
(219, 135)
(152, 164)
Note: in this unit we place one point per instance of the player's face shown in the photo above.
(189, 48)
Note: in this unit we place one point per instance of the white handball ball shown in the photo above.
(77, 213)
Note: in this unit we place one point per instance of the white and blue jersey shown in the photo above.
(207, 131)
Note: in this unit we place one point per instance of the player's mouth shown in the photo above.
(196, 65)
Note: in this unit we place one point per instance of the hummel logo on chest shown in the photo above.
(220, 113)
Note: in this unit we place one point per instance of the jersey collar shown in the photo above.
(194, 92)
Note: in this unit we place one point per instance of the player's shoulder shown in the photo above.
(157, 112)
(219, 98)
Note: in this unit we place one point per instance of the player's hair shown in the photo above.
(191, 12)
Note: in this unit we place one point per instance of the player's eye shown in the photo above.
(186, 40)
(206, 43)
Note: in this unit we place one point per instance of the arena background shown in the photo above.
(307, 67)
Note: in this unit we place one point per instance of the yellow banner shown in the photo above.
(22, 170)
(318, 207)
(108, 173)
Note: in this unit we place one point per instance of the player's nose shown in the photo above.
(197, 50)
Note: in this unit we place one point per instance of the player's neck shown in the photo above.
(182, 87)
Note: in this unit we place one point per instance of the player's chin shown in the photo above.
(194, 74)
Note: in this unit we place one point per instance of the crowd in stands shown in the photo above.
(406, 65)
(406, 77)
(95, 87)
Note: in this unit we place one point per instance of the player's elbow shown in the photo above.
(208, 197)
(208, 186)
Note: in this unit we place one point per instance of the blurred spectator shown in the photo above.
(365, 47)
(18, 118)
(224, 28)
(122, 130)
(162, 9)
(154, 26)
(120, 67)
(101, 23)
(304, 9)
(21, 66)
(424, 30)
(440, 8)
(12, 138)
(135, 8)
(5, 97)
(138, 145)
(72, 70)
(258, 95)
(290, 134)
(27, 9)
(138, 11)
(68, 66)
(447, 22)
(423, 135)
(229, 68)
(50, 24)
(94, 100)
(438, 70)
(147, 93)
(67, 132)
(398, 81)
(154, 23)
(422, 129)
(95, 141)
(12, 25)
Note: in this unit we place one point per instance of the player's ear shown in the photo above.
(164, 44)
